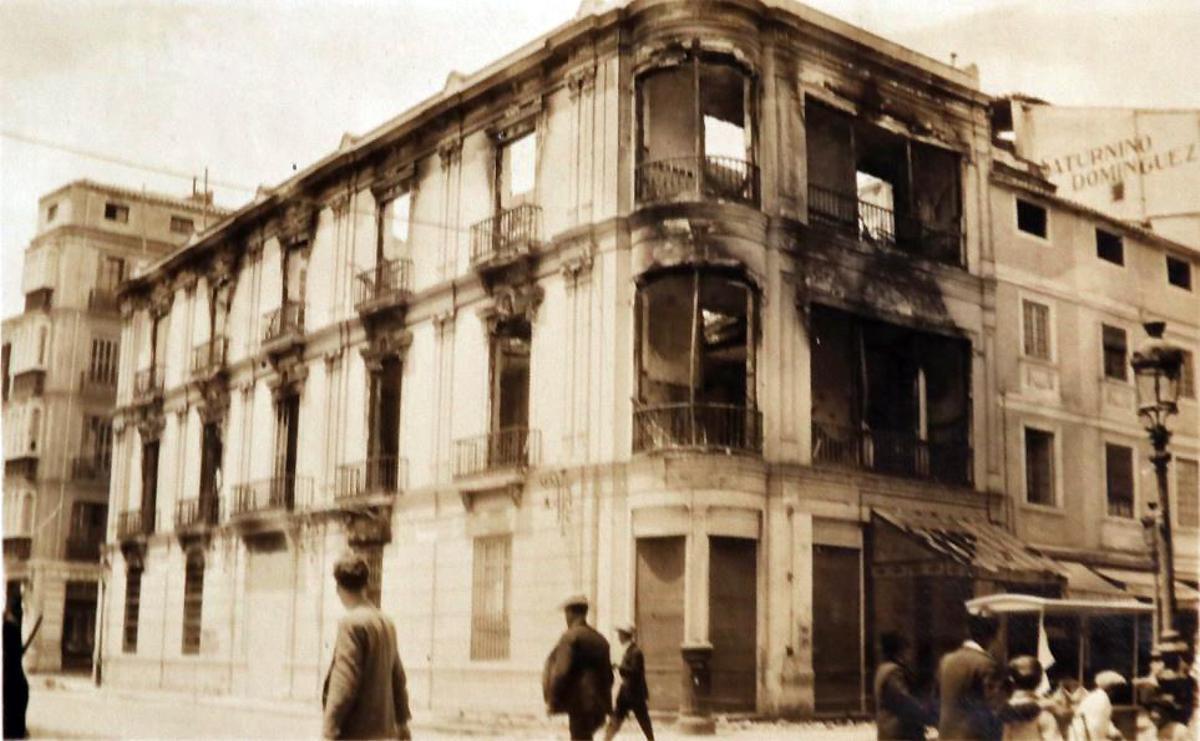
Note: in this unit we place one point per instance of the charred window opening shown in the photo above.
(212, 450)
(395, 217)
(1115, 353)
(1110, 247)
(509, 440)
(287, 433)
(884, 187)
(1179, 272)
(890, 399)
(133, 601)
(696, 132)
(516, 172)
(193, 602)
(696, 362)
(149, 484)
(383, 432)
(1031, 218)
(1118, 466)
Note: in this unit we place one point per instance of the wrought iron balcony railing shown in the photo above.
(506, 235)
(90, 468)
(873, 223)
(387, 284)
(381, 475)
(196, 512)
(84, 547)
(892, 453)
(514, 447)
(697, 179)
(18, 547)
(697, 426)
(285, 322)
(132, 523)
(103, 299)
(278, 493)
(209, 357)
(149, 382)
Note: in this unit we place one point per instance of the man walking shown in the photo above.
(365, 694)
(633, 695)
(578, 676)
(971, 686)
(898, 715)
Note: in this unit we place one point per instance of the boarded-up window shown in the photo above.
(1187, 496)
(1118, 461)
(133, 600)
(490, 598)
(193, 602)
(1115, 353)
(1039, 467)
(1036, 319)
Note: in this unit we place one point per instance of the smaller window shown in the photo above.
(1187, 376)
(1179, 272)
(1037, 330)
(1039, 467)
(51, 212)
(1187, 493)
(133, 599)
(1031, 218)
(193, 602)
(1118, 190)
(1118, 461)
(1110, 247)
(490, 598)
(182, 225)
(116, 212)
(1115, 353)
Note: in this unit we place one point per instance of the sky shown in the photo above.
(145, 93)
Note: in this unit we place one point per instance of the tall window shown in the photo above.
(1118, 461)
(1187, 376)
(5, 362)
(516, 171)
(149, 485)
(383, 441)
(112, 272)
(212, 450)
(102, 366)
(1036, 322)
(193, 602)
(97, 441)
(133, 601)
(88, 521)
(43, 341)
(1039, 467)
(1187, 488)
(490, 598)
(287, 430)
(394, 221)
(35, 429)
(1115, 353)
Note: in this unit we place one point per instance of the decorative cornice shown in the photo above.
(580, 81)
(519, 119)
(289, 376)
(392, 343)
(296, 224)
(339, 203)
(509, 302)
(150, 422)
(186, 279)
(162, 295)
(450, 151)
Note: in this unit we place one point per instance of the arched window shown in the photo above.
(696, 361)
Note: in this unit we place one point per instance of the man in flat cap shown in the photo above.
(365, 694)
(633, 695)
(578, 677)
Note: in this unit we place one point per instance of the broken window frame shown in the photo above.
(698, 174)
(697, 422)
(505, 198)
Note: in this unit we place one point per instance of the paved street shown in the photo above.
(73, 709)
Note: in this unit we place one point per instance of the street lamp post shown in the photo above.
(1157, 367)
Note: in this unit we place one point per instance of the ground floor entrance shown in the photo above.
(79, 625)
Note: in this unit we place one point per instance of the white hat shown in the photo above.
(575, 600)
(1109, 678)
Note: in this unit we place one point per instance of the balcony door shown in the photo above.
(510, 396)
(659, 605)
(287, 429)
(211, 453)
(383, 443)
(149, 485)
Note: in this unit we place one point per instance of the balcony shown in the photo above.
(196, 513)
(874, 224)
(148, 383)
(98, 385)
(208, 358)
(277, 494)
(501, 239)
(18, 548)
(39, 299)
(382, 476)
(719, 427)
(284, 327)
(892, 454)
(27, 382)
(387, 285)
(131, 524)
(89, 469)
(85, 547)
(515, 448)
(708, 178)
(103, 300)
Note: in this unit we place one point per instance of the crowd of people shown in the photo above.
(978, 699)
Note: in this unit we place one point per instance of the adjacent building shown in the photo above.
(713, 316)
(60, 364)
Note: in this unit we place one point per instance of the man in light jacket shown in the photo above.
(365, 693)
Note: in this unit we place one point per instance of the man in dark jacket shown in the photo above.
(898, 715)
(971, 686)
(365, 694)
(633, 695)
(578, 677)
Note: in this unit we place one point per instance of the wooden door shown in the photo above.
(733, 622)
(659, 615)
(837, 628)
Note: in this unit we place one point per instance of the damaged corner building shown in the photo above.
(736, 321)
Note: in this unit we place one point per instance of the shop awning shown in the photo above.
(981, 548)
(1027, 604)
(1084, 583)
(1141, 584)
